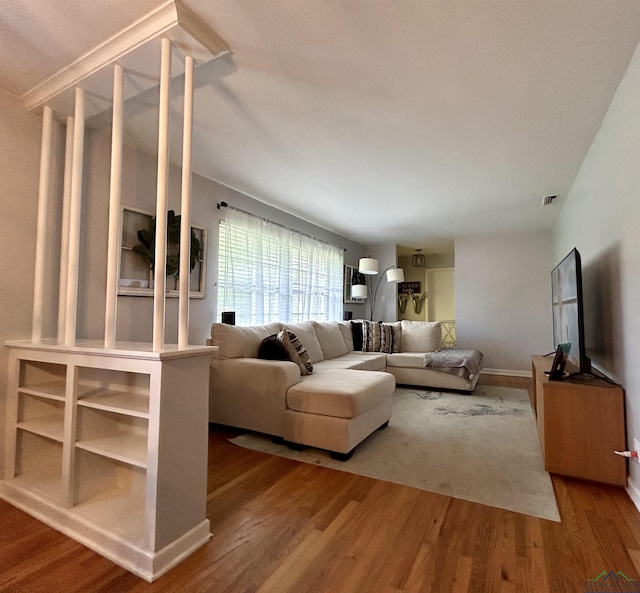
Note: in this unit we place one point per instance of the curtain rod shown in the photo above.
(225, 205)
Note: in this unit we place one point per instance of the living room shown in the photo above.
(502, 278)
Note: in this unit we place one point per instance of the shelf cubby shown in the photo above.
(41, 416)
(115, 391)
(43, 378)
(112, 494)
(39, 464)
(117, 436)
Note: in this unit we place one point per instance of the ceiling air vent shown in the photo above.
(548, 200)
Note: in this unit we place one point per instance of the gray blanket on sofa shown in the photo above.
(464, 363)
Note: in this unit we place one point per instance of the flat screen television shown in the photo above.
(568, 311)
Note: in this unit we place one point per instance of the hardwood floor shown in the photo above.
(281, 526)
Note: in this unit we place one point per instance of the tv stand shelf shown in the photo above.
(580, 425)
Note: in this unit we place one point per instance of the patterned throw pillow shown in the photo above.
(391, 338)
(381, 337)
(297, 352)
(371, 336)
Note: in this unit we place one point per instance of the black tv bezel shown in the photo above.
(582, 361)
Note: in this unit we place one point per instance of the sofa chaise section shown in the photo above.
(337, 409)
(334, 408)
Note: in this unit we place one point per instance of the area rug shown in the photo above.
(482, 447)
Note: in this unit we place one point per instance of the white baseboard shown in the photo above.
(506, 373)
(634, 494)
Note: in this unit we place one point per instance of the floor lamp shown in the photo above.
(369, 267)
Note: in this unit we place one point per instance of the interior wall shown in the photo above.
(600, 217)
(135, 314)
(441, 294)
(412, 274)
(503, 297)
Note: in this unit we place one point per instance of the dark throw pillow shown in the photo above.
(356, 332)
(272, 349)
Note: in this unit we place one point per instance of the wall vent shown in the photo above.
(548, 200)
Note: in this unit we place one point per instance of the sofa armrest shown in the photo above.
(250, 393)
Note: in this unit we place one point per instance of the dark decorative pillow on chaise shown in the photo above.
(356, 332)
(272, 349)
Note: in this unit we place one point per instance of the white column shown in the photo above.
(64, 240)
(115, 194)
(160, 260)
(185, 210)
(41, 228)
(74, 220)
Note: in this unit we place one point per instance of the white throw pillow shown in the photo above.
(330, 338)
(347, 334)
(237, 341)
(307, 335)
(421, 336)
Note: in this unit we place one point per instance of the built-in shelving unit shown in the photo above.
(86, 451)
(107, 441)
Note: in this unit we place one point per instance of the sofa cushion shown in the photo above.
(296, 350)
(237, 341)
(330, 337)
(420, 336)
(340, 393)
(364, 361)
(272, 349)
(307, 335)
(347, 334)
(406, 360)
(337, 363)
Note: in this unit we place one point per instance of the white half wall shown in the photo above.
(600, 217)
(503, 297)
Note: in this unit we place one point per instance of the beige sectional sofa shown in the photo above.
(346, 397)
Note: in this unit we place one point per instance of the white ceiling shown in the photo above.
(386, 121)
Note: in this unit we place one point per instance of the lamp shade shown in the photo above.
(359, 291)
(395, 275)
(368, 265)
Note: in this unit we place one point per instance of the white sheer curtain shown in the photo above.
(270, 273)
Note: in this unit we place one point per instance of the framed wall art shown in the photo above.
(137, 252)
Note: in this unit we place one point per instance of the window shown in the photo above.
(270, 273)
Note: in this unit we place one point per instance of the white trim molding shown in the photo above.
(634, 494)
(131, 49)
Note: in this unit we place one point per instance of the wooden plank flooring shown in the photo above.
(280, 526)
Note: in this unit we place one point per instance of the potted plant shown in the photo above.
(147, 245)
